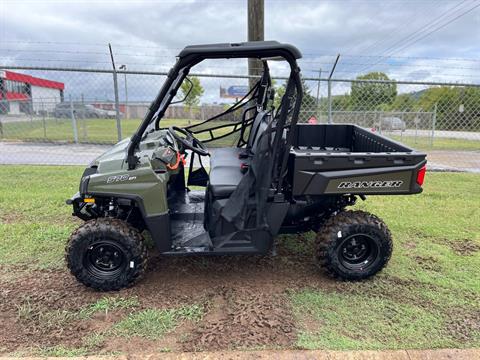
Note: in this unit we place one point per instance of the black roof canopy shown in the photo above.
(253, 49)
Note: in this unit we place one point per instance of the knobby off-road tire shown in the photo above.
(353, 245)
(106, 254)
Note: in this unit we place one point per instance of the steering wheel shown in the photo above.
(188, 140)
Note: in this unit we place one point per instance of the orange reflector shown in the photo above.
(421, 175)
(89, 200)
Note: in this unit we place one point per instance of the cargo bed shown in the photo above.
(344, 158)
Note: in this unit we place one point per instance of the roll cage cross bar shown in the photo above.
(192, 55)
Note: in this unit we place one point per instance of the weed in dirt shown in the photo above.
(41, 319)
(192, 312)
(108, 304)
(56, 318)
(301, 244)
(463, 325)
(61, 351)
(93, 340)
(463, 247)
(25, 310)
(154, 323)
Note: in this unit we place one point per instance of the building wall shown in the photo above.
(45, 98)
(14, 108)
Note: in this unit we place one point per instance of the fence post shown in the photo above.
(318, 94)
(43, 121)
(434, 120)
(74, 122)
(330, 89)
(416, 131)
(84, 120)
(117, 104)
(329, 101)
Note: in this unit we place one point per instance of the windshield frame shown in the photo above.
(180, 70)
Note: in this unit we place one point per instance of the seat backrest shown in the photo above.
(258, 127)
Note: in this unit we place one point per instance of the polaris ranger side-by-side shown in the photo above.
(280, 176)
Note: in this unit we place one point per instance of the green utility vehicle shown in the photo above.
(267, 175)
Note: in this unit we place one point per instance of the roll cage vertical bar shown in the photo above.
(192, 55)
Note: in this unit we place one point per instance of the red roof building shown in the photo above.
(22, 93)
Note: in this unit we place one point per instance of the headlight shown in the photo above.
(84, 185)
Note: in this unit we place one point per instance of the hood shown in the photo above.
(113, 158)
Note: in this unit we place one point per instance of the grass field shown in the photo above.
(427, 297)
(105, 131)
(89, 130)
(439, 143)
(101, 131)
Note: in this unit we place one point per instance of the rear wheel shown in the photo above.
(106, 254)
(353, 245)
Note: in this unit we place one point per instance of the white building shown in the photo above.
(21, 93)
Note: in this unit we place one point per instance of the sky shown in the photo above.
(421, 40)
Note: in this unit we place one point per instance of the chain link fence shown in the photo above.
(69, 116)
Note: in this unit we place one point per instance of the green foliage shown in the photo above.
(403, 102)
(339, 103)
(369, 96)
(196, 92)
(448, 101)
(279, 93)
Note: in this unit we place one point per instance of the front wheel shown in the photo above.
(106, 254)
(353, 245)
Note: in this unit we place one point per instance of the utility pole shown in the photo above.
(256, 10)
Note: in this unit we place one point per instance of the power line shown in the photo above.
(425, 35)
(409, 65)
(425, 26)
(50, 51)
(441, 27)
(381, 42)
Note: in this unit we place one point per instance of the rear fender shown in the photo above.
(375, 181)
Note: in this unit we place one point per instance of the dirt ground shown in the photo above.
(241, 297)
(245, 303)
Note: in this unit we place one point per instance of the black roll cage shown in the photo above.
(192, 55)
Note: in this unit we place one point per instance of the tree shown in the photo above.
(403, 102)
(340, 103)
(367, 96)
(193, 98)
(456, 107)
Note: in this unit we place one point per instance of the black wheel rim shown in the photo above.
(105, 259)
(358, 251)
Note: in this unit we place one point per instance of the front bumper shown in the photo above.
(78, 205)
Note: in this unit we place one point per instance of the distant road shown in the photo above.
(49, 154)
(53, 154)
(465, 135)
(82, 154)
